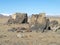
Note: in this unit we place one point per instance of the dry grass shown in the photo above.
(55, 18)
(32, 38)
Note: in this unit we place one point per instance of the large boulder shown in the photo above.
(54, 25)
(41, 18)
(33, 18)
(39, 22)
(18, 18)
(37, 18)
(54, 22)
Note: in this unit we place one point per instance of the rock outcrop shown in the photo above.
(18, 18)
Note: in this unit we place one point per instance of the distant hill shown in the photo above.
(3, 16)
(53, 16)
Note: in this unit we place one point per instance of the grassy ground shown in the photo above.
(31, 38)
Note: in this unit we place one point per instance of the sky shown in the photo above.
(50, 7)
